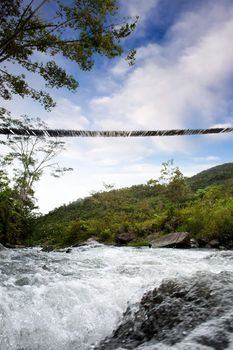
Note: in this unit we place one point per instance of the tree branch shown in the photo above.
(19, 29)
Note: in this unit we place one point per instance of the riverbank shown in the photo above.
(177, 240)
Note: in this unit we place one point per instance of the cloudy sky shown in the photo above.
(182, 78)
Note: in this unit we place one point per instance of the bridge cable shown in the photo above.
(112, 133)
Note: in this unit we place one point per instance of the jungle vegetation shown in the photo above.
(23, 160)
(161, 206)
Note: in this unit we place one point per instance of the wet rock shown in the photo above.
(15, 246)
(227, 245)
(76, 245)
(214, 243)
(194, 243)
(218, 341)
(47, 249)
(2, 247)
(124, 238)
(202, 243)
(216, 334)
(169, 313)
(90, 242)
(22, 281)
(69, 250)
(173, 240)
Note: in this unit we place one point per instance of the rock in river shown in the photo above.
(47, 249)
(179, 311)
(124, 238)
(2, 247)
(173, 240)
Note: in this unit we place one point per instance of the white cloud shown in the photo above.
(193, 169)
(67, 115)
(139, 8)
(208, 159)
(108, 152)
(223, 125)
(174, 85)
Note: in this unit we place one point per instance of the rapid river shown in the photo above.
(59, 301)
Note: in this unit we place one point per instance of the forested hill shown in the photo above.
(177, 204)
(126, 198)
(216, 175)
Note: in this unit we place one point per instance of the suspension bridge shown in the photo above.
(112, 133)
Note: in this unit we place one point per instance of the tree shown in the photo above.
(15, 218)
(29, 156)
(108, 187)
(177, 189)
(34, 33)
(168, 172)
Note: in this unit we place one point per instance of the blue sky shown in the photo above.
(182, 78)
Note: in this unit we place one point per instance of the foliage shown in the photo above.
(29, 157)
(177, 189)
(15, 221)
(23, 161)
(216, 175)
(142, 210)
(161, 206)
(148, 211)
(210, 217)
(76, 232)
(33, 34)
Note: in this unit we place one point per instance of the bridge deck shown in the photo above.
(113, 133)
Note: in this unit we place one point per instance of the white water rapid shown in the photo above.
(59, 301)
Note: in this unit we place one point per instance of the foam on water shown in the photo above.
(59, 301)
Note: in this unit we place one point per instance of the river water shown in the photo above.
(59, 301)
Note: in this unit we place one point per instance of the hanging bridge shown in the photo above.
(113, 133)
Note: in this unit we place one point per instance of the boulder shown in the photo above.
(229, 245)
(22, 281)
(90, 242)
(173, 240)
(202, 243)
(47, 249)
(2, 247)
(15, 246)
(214, 243)
(177, 310)
(194, 243)
(124, 238)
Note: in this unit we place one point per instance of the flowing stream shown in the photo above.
(59, 301)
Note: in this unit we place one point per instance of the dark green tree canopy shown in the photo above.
(75, 29)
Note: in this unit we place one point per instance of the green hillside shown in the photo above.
(201, 205)
(216, 175)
